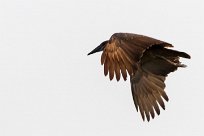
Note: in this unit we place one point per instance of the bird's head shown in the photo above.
(99, 48)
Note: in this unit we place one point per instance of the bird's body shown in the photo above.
(147, 61)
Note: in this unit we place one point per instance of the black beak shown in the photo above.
(99, 48)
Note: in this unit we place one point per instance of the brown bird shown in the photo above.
(147, 61)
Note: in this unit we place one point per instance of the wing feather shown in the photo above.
(117, 67)
(112, 66)
(151, 106)
(128, 63)
(103, 57)
(106, 66)
(122, 68)
(147, 93)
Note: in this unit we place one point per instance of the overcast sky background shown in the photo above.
(50, 87)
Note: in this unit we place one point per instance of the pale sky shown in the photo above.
(50, 87)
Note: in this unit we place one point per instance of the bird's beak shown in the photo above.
(99, 48)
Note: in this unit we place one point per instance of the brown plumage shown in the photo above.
(147, 61)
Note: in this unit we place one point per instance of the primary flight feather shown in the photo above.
(147, 61)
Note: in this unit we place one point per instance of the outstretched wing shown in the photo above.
(147, 83)
(148, 90)
(123, 52)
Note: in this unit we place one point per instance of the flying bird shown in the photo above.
(148, 61)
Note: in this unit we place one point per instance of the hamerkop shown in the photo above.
(148, 61)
